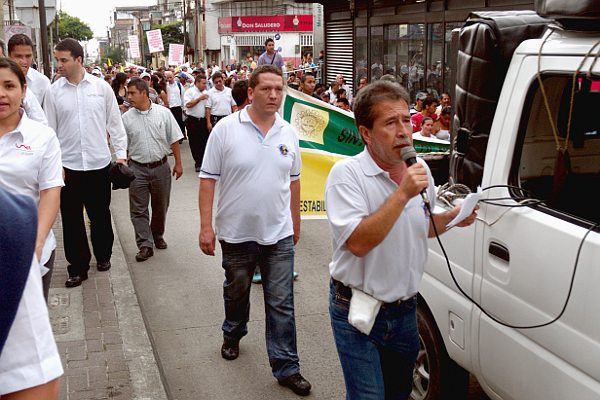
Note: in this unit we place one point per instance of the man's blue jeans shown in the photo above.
(276, 263)
(378, 366)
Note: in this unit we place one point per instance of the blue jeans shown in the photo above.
(276, 263)
(378, 366)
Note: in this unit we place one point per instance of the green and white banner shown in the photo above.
(327, 134)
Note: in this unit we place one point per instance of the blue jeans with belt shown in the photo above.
(378, 366)
(276, 263)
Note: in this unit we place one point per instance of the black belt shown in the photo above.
(191, 116)
(152, 164)
(346, 293)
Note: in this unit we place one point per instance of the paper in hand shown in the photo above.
(468, 205)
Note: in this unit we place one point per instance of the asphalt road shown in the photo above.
(180, 295)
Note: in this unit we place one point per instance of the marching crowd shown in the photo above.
(54, 150)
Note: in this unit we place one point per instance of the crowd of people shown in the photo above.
(101, 125)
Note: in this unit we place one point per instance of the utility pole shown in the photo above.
(44, 36)
(184, 30)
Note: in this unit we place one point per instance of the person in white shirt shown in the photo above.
(195, 103)
(380, 225)
(152, 134)
(342, 85)
(254, 155)
(23, 57)
(82, 109)
(30, 163)
(175, 92)
(30, 366)
(20, 49)
(220, 102)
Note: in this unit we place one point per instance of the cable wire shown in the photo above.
(487, 313)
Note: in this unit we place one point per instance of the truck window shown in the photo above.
(566, 182)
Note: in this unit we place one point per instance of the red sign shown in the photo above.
(270, 23)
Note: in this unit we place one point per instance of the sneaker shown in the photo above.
(256, 278)
(297, 383)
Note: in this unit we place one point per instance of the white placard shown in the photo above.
(134, 46)
(155, 42)
(175, 54)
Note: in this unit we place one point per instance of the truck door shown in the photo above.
(530, 248)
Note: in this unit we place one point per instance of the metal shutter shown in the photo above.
(339, 45)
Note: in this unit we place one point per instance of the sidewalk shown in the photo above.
(100, 333)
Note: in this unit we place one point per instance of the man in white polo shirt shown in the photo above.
(379, 226)
(255, 156)
(83, 111)
(194, 101)
(220, 103)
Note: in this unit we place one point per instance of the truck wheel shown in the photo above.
(436, 376)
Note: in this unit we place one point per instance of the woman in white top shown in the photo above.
(30, 165)
(30, 161)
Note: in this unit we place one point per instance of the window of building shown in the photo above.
(360, 45)
(448, 75)
(435, 59)
(376, 52)
(567, 188)
(404, 56)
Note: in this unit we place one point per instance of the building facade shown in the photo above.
(243, 26)
(410, 39)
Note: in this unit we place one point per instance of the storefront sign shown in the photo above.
(271, 23)
(155, 42)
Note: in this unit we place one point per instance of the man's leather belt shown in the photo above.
(346, 293)
(152, 164)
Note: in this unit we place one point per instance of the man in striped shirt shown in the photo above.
(152, 133)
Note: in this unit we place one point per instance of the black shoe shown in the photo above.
(144, 254)
(160, 244)
(76, 280)
(103, 266)
(230, 350)
(297, 383)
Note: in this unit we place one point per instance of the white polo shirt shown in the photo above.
(199, 110)
(82, 116)
(29, 357)
(356, 188)
(220, 101)
(254, 175)
(30, 161)
(38, 83)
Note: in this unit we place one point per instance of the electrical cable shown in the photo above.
(487, 313)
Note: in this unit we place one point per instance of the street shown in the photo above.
(180, 295)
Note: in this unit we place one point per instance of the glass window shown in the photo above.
(435, 61)
(376, 52)
(361, 45)
(565, 183)
(448, 73)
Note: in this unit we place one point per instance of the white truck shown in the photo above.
(532, 258)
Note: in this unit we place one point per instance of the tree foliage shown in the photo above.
(116, 54)
(171, 33)
(73, 27)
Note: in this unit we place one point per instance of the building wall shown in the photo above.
(240, 44)
(411, 41)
